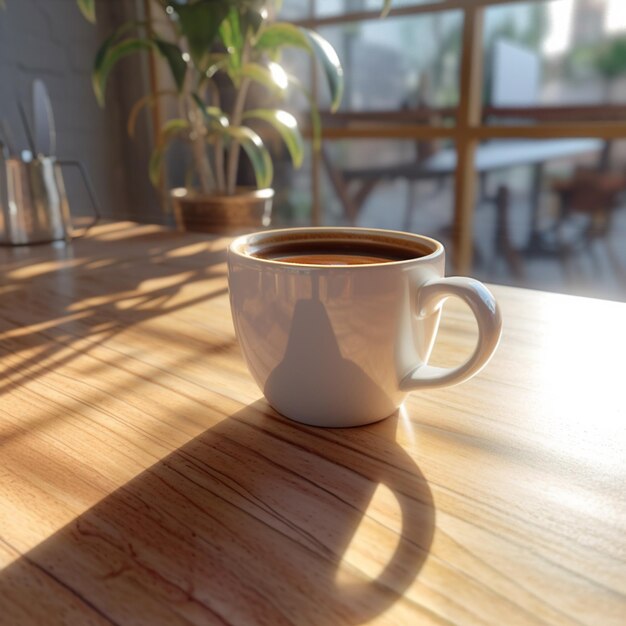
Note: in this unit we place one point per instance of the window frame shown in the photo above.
(552, 122)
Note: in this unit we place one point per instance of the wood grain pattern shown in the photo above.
(144, 480)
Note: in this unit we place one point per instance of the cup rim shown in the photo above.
(237, 246)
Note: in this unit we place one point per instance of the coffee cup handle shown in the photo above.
(430, 300)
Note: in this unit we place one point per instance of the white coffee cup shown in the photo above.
(343, 345)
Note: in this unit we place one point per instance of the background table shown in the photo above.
(491, 157)
(144, 480)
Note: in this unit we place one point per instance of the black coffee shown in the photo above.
(319, 252)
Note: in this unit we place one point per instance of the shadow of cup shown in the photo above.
(314, 384)
(248, 523)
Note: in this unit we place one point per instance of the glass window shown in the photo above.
(551, 214)
(301, 9)
(399, 63)
(563, 52)
(387, 183)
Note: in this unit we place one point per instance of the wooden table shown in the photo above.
(144, 480)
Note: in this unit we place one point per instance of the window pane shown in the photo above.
(555, 218)
(294, 10)
(300, 9)
(388, 184)
(399, 63)
(559, 52)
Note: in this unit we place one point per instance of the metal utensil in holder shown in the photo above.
(33, 201)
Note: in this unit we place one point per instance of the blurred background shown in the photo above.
(496, 127)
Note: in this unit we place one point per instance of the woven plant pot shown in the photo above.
(245, 211)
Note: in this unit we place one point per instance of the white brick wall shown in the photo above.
(49, 39)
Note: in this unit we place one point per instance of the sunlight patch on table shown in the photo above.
(190, 250)
(46, 267)
(119, 231)
(373, 543)
(406, 429)
(583, 395)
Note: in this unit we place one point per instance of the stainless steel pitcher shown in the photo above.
(33, 202)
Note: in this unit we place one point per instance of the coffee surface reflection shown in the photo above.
(319, 252)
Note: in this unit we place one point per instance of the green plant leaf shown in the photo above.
(108, 42)
(251, 20)
(154, 165)
(214, 116)
(108, 55)
(217, 61)
(386, 8)
(282, 34)
(237, 34)
(111, 52)
(174, 57)
(200, 23)
(88, 9)
(264, 76)
(170, 129)
(232, 37)
(256, 151)
(286, 125)
(173, 127)
(316, 121)
(329, 61)
(149, 100)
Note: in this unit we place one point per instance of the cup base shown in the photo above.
(332, 422)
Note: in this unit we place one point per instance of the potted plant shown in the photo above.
(206, 39)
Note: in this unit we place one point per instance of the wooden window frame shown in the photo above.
(470, 127)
